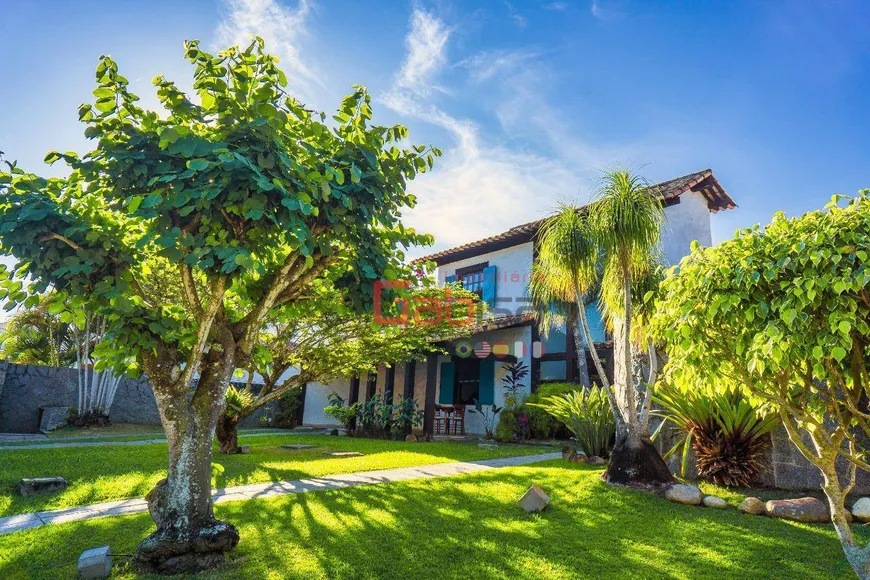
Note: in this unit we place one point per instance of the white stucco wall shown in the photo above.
(685, 222)
(513, 269)
(317, 398)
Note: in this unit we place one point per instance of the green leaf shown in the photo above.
(152, 200)
(839, 353)
(197, 164)
(135, 201)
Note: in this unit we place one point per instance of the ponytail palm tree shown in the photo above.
(563, 275)
(627, 216)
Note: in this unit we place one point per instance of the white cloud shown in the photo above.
(426, 43)
(557, 6)
(518, 18)
(486, 65)
(283, 28)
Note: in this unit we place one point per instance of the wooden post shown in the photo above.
(353, 397)
(429, 406)
(410, 372)
(389, 383)
(371, 385)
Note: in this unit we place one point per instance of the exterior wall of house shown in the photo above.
(513, 268)
(685, 222)
(317, 398)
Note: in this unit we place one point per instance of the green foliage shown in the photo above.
(38, 336)
(513, 385)
(237, 401)
(488, 414)
(284, 410)
(586, 413)
(344, 414)
(542, 425)
(407, 415)
(725, 430)
(246, 189)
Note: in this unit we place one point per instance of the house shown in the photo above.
(498, 268)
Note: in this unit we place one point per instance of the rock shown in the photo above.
(245, 449)
(344, 453)
(487, 446)
(41, 485)
(51, 418)
(805, 509)
(595, 460)
(95, 563)
(579, 457)
(411, 438)
(568, 452)
(712, 501)
(298, 446)
(752, 505)
(534, 500)
(861, 509)
(683, 493)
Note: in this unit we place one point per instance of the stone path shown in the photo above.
(78, 442)
(260, 490)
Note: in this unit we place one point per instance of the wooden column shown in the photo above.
(408, 386)
(429, 406)
(353, 397)
(390, 383)
(371, 385)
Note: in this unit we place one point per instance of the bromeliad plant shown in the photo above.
(236, 403)
(587, 414)
(725, 430)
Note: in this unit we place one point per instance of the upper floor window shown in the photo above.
(477, 278)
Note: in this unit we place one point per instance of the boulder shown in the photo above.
(95, 563)
(579, 457)
(534, 500)
(712, 501)
(595, 460)
(861, 509)
(684, 493)
(804, 509)
(39, 485)
(411, 438)
(568, 452)
(752, 505)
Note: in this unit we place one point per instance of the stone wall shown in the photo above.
(24, 389)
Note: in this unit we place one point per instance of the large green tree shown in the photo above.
(783, 313)
(246, 198)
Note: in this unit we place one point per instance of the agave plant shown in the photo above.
(587, 414)
(724, 429)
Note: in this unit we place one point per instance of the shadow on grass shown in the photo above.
(470, 526)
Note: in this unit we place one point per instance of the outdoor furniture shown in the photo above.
(457, 416)
(442, 420)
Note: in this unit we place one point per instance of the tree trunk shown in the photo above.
(636, 462)
(858, 557)
(579, 342)
(188, 537)
(228, 434)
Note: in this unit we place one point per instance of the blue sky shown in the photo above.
(529, 100)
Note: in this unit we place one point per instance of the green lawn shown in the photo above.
(470, 527)
(98, 474)
(113, 429)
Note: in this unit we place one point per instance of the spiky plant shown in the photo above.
(724, 429)
(587, 414)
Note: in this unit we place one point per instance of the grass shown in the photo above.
(98, 474)
(469, 527)
(113, 429)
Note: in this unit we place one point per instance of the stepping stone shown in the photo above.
(96, 563)
(344, 454)
(41, 485)
(298, 446)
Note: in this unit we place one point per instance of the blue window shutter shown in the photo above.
(487, 382)
(447, 374)
(489, 279)
(450, 279)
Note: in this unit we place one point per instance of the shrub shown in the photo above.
(726, 432)
(541, 424)
(587, 414)
(284, 414)
(407, 416)
(342, 414)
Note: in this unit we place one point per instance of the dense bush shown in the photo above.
(527, 421)
(375, 417)
(284, 413)
(586, 413)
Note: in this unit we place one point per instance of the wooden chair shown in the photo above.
(442, 421)
(458, 418)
